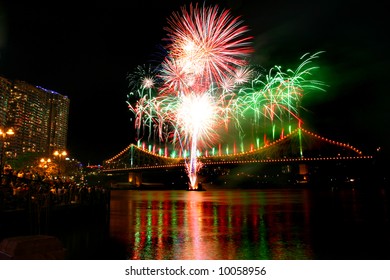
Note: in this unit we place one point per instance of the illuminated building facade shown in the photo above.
(38, 116)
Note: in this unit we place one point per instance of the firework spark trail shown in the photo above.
(144, 82)
(194, 119)
(279, 93)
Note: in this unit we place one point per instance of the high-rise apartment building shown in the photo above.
(38, 116)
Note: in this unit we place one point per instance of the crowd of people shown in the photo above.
(20, 190)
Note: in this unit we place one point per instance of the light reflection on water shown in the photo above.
(216, 224)
(272, 224)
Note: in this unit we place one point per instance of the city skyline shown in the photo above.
(87, 53)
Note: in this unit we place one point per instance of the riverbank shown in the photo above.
(59, 209)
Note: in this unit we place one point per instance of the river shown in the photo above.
(238, 224)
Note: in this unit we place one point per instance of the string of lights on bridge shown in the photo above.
(222, 158)
(247, 162)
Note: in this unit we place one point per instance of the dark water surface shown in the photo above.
(273, 224)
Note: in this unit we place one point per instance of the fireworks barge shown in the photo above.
(199, 188)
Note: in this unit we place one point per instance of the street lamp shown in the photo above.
(45, 162)
(59, 154)
(44, 165)
(4, 134)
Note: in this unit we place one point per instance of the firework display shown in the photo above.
(206, 87)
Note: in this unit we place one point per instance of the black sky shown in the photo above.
(86, 51)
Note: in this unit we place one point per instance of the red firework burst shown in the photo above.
(207, 46)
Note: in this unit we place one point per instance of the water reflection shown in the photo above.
(218, 224)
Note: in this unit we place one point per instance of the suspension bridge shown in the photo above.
(293, 157)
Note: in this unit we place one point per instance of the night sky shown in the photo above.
(86, 52)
